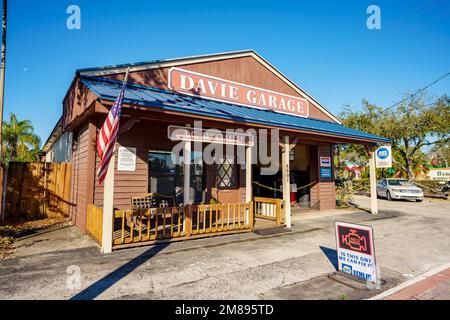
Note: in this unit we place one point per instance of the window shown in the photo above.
(162, 173)
(167, 178)
(400, 182)
(226, 174)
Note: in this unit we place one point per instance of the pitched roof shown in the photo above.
(108, 89)
(154, 64)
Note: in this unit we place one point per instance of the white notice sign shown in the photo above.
(127, 159)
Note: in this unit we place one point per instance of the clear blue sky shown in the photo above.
(324, 46)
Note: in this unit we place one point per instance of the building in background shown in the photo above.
(58, 147)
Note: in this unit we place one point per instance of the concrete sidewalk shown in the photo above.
(433, 285)
(411, 239)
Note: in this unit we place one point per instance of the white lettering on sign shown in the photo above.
(208, 87)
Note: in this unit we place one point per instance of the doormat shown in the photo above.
(272, 231)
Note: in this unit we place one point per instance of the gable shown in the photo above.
(246, 69)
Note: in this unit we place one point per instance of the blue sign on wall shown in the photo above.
(325, 172)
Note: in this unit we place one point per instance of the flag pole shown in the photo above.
(108, 197)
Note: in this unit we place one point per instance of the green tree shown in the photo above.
(441, 154)
(411, 125)
(20, 143)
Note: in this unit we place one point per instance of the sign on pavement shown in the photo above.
(355, 250)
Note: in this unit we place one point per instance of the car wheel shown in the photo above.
(388, 196)
(419, 200)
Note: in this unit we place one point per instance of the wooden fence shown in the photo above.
(269, 209)
(37, 190)
(172, 223)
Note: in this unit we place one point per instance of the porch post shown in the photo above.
(108, 207)
(373, 181)
(248, 181)
(187, 173)
(286, 181)
(248, 174)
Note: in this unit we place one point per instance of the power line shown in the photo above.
(417, 92)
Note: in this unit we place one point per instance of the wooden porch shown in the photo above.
(157, 225)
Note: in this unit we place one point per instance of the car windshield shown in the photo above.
(398, 182)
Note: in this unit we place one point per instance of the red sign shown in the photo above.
(355, 239)
(208, 87)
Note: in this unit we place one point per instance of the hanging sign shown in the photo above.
(176, 133)
(383, 157)
(355, 250)
(126, 159)
(213, 88)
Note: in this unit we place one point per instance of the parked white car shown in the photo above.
(399, 189)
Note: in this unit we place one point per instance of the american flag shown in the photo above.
(107, 136)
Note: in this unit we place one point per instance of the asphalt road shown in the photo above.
(410, 239)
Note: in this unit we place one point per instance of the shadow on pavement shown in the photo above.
(331, 254)
(100, 286)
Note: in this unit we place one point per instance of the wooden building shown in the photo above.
(226, 90)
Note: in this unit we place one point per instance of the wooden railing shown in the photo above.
(94, 222)
(220, 218)
(179, 223)
(269, 209)
(149, 225)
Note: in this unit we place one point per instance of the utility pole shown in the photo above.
(2, 99)
(2, 68)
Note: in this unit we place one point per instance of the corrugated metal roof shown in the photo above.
(148, 96)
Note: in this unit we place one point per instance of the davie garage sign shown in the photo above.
(213, 88)
(355, 249)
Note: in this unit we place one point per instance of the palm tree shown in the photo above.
(20, 143)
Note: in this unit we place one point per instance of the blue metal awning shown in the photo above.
(108, 89)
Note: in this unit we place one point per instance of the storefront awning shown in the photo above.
(108, 89)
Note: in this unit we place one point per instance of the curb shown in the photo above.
(410, 282)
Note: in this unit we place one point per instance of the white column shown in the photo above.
(187, 172)
(248, 180)
(286, 182)
(108, 207)
(373, 182)
(248, 174)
